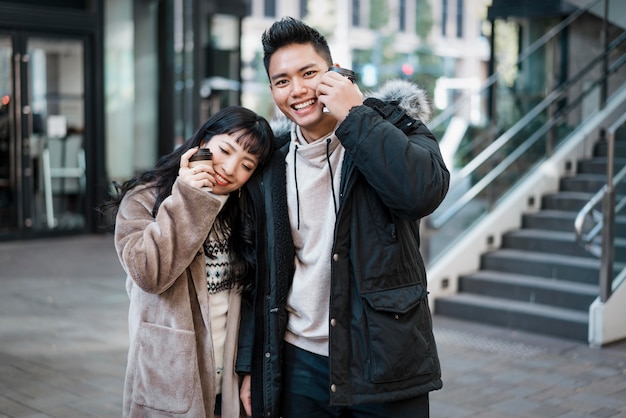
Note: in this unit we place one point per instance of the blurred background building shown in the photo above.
(95, 91)
(441, 45)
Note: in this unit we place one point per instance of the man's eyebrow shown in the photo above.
(280, 75)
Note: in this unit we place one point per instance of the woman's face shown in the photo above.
(233, 165)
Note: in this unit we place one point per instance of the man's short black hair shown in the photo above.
(288, 31)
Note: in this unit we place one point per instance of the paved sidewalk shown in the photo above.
(63, 343)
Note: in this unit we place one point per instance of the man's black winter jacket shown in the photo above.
(381, 342)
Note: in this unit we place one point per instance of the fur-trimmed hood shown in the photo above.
(407, 95)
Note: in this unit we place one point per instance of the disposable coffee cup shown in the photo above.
(202, 156)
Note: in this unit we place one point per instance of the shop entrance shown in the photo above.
(42, 135)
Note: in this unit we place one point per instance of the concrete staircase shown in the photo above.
(541, 280)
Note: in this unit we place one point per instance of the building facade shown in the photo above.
(97, 90)
(437, 44)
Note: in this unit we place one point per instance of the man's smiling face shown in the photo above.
(295, 72)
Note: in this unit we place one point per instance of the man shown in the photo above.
(339, 324)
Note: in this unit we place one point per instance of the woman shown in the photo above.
(183, 236)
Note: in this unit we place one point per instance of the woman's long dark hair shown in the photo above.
(255, 135)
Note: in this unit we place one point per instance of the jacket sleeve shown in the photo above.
(398, 156)
(243, 364)
(154, 251)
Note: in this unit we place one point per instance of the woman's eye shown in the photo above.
(224, 151)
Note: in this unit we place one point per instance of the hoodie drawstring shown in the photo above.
(295, 176)
(330, 170)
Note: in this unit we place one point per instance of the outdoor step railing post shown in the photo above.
(608, 219)
(608, 249)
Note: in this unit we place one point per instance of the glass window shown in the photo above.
(269, 8)
(183, 108)
(459, 18)
(221, 84)
(303, 8)
(356, 13)
(56, 95)
(444, 17)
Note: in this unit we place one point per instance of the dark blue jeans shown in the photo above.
(306, 393)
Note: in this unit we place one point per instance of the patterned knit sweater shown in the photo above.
(219, 285)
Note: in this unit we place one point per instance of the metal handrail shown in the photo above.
(543, 105)
(605, 225)
(437, 220)
(540, 42)
(589, 211)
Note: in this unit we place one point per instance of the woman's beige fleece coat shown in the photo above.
(170, 371)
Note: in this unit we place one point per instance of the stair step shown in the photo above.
(555, 266)
(588, 183)
(556, 242)
(601, 148)
(563, 221)
(553, 220)
(542, 280)
(566, 201)
(541, 319)
(597, 165)
(531, 289)
(560, 220)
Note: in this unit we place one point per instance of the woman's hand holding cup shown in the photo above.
(196, 168)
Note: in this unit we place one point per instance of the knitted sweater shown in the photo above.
(219, 285)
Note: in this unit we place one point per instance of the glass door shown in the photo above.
(8, 204)
(42, 120)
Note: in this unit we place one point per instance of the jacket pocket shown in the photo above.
(166, 366)
(398, 323)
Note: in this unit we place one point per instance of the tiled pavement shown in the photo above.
(63, 345)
